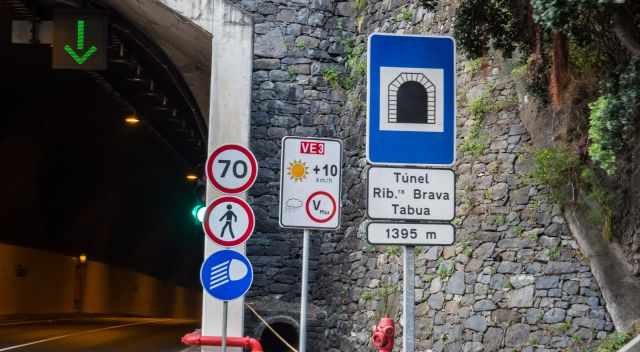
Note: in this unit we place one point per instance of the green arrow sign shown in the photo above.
(80, 46)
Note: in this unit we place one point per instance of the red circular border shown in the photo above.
(252, 161)
(333, 201)
(250, 227)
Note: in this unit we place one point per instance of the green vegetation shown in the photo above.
(366, 296)
(385, 294)
(556, 168)
(392, 251)
(572, 182)
(472, 67)
(601, 200)
(475, 143)
(553, 253)
(445, 269)
(355, 63)
(360, 5)
(563, 328)
(569, 45)
(612, 343)
(520, 71)
(518, 230)
(476, 140)
(406, 14)
(612, 118)
(291, 71)
(480, 23)
(332, 76)
(466, 248)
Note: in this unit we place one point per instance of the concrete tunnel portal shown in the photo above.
(158, 75)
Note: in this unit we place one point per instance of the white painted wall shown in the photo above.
(199, 11)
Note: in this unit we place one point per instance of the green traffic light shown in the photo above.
(198, 213)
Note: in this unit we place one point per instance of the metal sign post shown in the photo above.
(302, 342)
(310, 193)
(408, 299)
(411, 120)
(225, 312)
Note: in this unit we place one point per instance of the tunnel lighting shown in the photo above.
(132, 120)
(82, 258)
(192, 177)
(198, 213)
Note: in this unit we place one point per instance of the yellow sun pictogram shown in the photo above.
(297, 170)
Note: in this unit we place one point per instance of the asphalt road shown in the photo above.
(96, 335)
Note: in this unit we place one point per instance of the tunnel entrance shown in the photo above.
(412, 103)
(97, 195)
(271, 343)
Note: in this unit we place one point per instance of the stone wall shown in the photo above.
(515, 278)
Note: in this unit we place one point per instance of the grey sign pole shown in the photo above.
(408, 299)
(302, 342)
(225, 313)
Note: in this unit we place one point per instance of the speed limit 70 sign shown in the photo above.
(232, 169)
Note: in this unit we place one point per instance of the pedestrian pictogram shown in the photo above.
(310, 183)
(226, 275)
(228, 218)
(229, 221)
(232, 169)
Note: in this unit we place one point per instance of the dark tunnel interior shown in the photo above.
(271, 343)
(77, 179)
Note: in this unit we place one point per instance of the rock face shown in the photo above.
(499, 287)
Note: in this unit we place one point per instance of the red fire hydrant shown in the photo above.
(383, 335)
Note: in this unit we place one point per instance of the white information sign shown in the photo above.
(409, 234)
(395, 193)
(310, 183)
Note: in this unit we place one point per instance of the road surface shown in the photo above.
(95, 335)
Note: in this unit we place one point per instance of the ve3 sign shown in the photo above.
(232, 169)
(310, 183)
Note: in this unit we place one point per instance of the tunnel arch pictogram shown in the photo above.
(412, 99)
